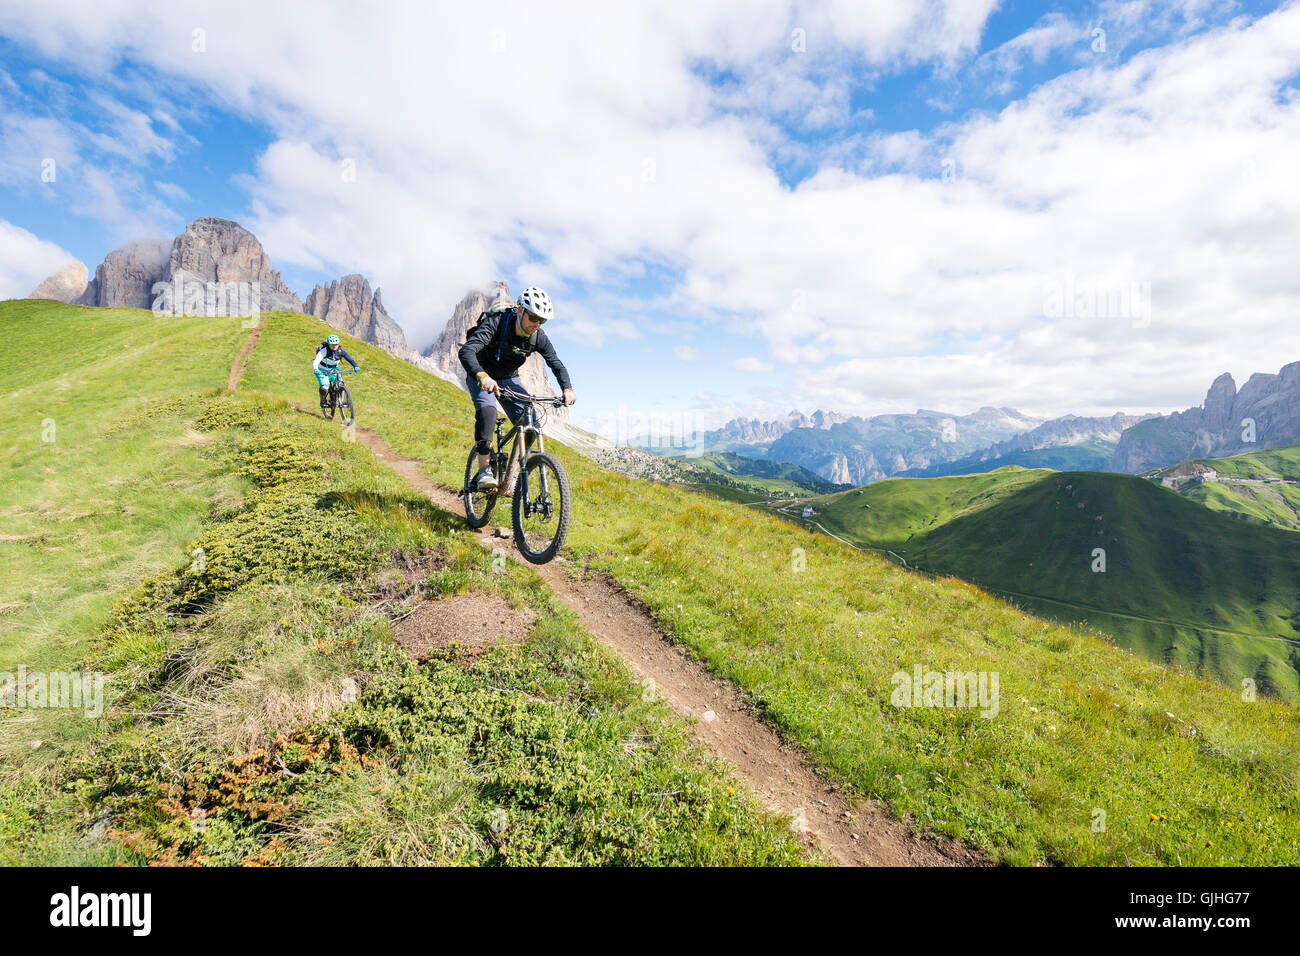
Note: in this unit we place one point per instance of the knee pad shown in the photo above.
(484, 422)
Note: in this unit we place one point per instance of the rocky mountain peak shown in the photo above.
(200, 269)
(1218, 402)
(443, 353)
(223, 251)
(1265, 413)
(349, 305)
(126, 277)
(66, 285)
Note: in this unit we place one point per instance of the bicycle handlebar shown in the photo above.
(535, 399)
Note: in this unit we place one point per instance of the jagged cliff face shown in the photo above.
(463, 316)
(347, 304)
(1265, 413)
(1060, 432)
(219, 254)
(209, 251)
(126, 277)
(442, 354)
(752, 431)
(219, 250)
(66, 285)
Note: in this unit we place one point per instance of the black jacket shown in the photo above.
(493, 346)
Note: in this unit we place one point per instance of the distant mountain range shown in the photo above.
(844, 449)
(851, 450)
(1069, 443)
(748, 434)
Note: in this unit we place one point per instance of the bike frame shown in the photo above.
(524, 440)
(521, 446)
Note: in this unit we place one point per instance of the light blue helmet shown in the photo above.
(332, 340)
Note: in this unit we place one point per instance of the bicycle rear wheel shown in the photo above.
(541, 508)
(478, 504)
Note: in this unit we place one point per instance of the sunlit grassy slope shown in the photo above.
(221, 558)
(773, 477)
(1252, 496)
(101, 481)
(1184, 769)
(1181, 584)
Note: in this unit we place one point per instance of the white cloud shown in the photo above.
(687, 353)
(172, 191)
(750, 364)
(25, 261)
(572, 159)
(92, 172)
(593, 153)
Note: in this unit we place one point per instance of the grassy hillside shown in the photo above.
(226, 673)
(1183, 584)
(772, 476)
(1244, 489)
(236, 569)
(1185, 770)
(102, 481)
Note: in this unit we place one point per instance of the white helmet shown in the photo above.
(536, 301)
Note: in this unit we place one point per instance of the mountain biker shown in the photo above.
(327, 360)
(493, 352)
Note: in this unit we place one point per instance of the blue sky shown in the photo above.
(738, 210)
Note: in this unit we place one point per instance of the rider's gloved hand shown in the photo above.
(569, 397)
(356, 368)
(487, 382)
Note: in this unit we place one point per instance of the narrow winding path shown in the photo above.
(853, 831)
(241, 360)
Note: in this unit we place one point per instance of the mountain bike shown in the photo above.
(542, 503)
(339, 398)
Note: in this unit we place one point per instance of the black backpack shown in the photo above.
(503, 331)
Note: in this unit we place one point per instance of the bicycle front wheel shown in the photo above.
(347, 413)
(541, 508)
(478, 504)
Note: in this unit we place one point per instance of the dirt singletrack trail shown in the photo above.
(853, 833)
(241, 360)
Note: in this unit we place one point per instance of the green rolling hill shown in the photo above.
(767, 477)
(1261, 486)
(1183, 584)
